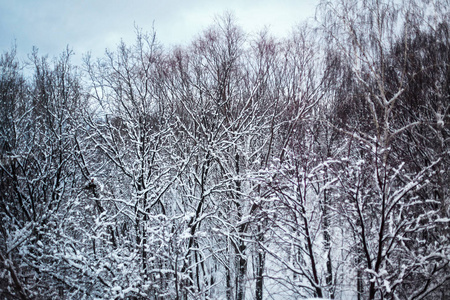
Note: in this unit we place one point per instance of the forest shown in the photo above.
(238, 166)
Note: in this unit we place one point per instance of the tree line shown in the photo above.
(237, 166)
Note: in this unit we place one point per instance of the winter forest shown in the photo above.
(239, 166)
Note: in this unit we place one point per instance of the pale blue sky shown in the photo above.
(93, 25)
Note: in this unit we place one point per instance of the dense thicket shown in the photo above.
(236, 166)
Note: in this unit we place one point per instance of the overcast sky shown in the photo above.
(94, 25)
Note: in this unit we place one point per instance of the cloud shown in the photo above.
(98, 24)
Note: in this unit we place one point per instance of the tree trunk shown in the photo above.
(260, 274)
(241, 262)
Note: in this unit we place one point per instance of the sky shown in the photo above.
(95, 25)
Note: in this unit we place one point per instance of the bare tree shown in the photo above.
(131, 134)
(381, 192)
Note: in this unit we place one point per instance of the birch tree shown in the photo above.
(380, 194)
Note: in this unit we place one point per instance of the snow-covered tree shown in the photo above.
(383, 200)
